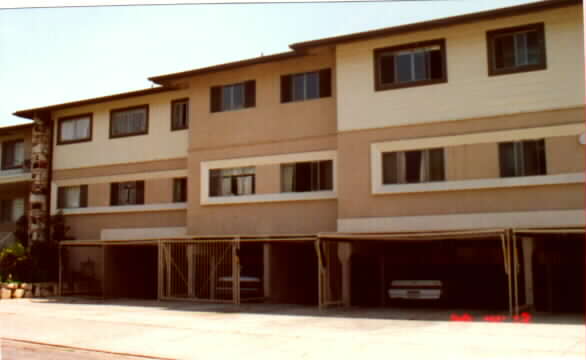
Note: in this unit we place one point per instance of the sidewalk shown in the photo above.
(192, 331)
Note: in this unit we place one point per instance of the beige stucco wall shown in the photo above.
(476, 161)
(269, 120)
(160, 142)
(469, 92)
(98, 195)
(158, 191)
(89, 227)
(291, 217)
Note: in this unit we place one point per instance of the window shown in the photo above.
(180, 114)
(129, 121)
(127, 193)
(11, 210)
(12, 154)
(71, 197)
(522, 158)
(74, 129)
(416, 166)
(180, 190)
(307, 176)
(232, 182)
(516, 49)
(305, 86)
(415, 64)
(233, 97)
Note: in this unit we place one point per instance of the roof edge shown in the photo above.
(430, 24)
(162, 79)
(30, 113)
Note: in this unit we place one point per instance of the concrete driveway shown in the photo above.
(193, 331)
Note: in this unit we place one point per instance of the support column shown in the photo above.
(266, 256)
(344, 254)
(528, 248)
(190, 271)
(38, 225)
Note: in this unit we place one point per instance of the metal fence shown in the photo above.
(220, 271)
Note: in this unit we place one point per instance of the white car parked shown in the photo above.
(416, 289)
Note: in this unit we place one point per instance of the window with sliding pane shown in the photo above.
(522, 158)
(74, 129)
(127, 193)
(12, 154)
(414, 166)
(232, 182)
(415, 64)
(11, 210)
(233, 96)
(307, 176)
(129, 121)
(180, 114)
(306, 86)
(517, 49)
(72, 197)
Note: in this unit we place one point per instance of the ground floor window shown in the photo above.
(11, 210)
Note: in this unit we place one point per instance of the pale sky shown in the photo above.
(55, 55)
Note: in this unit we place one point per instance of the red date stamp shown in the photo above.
(521, 318)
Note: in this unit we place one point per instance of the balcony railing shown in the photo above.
(24, 169)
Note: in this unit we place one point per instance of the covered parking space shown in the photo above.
(477, 267)
(554, 259)
(214, 269)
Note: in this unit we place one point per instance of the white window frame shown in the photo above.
(206, 166)
(377, 149)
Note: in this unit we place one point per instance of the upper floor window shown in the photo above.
(414, 64)
(180, 190)
(127, 193)
(307, 176)
(74, 129)
(11, 210)
(180, 114)
(233, 97)
(71, 197)
(12, 154)
(516, 49)
(415, 166)
(232, 182)
(305, 86)
(129, 121)
(522, 158)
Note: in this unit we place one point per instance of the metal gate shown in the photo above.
(209, 271)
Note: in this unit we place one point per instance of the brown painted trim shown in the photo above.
(161, 79)
(490, 35)
(438, 23)
(146, 130)
(173, 102)
(121, 169)
(60, 120)
(378, 52)
(30, 113)
(4, 166)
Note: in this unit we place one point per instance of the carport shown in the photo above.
(215, 269)
(350, 246)
(554, 260)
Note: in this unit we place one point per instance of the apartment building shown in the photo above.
(15, 177)
(404, 153)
